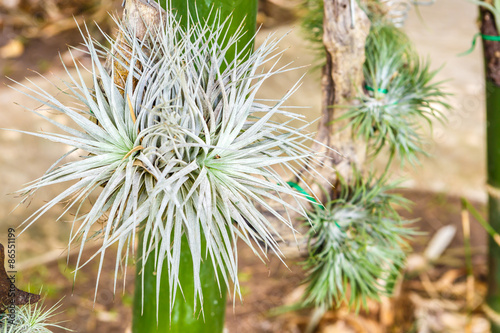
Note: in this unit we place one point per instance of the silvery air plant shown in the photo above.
(179, 147)
(31, 318)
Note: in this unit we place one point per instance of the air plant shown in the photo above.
(182, 148)
(31, 318)
(399, 95)
(357, 244)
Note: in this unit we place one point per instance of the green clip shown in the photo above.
(302, 191)
(383, 91)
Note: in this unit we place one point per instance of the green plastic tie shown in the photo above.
(474, 39)
(302, 191)
(383, 91)
(309, 197)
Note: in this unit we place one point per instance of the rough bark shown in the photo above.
(491, 48)
(136, 14)
(344, 41)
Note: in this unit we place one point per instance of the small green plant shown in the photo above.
(399, 95)
(356, 244)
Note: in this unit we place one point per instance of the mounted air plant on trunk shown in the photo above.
(393, 12)
(177, 155)
(356, 245)
(398, 95)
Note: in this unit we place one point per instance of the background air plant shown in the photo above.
(356, 244)
(180, 152)
(399, 94)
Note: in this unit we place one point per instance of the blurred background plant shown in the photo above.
(358, 241)
(357, 244)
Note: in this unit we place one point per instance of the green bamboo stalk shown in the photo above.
(490, 20)
(493, 158)
(241, 11)
(488, 28)
(184, 317)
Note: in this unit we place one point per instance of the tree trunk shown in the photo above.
(344, 40)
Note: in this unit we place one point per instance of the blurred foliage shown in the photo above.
(312, 22)
(46, 18)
